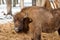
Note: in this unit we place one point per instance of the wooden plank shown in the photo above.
(21, 3)
(33, 2)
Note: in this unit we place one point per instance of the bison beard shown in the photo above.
(37, 19)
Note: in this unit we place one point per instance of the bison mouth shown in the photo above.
(21, 29)
(18, 29)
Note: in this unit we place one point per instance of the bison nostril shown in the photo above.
(18, 29)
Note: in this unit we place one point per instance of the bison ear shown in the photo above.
(27, 20)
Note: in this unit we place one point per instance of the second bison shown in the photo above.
(36, 19)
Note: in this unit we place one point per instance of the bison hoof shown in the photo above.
(59, 31)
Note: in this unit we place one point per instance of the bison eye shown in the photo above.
(21, 20)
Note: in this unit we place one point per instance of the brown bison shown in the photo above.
(37, 19)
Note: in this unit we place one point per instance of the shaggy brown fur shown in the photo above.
(38, 20)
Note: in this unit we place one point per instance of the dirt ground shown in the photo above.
(7, 33)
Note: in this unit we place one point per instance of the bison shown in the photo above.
(37, 20)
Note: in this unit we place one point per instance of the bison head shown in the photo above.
(21, 22)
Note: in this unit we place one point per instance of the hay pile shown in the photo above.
(7, 33)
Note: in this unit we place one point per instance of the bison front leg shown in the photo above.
(37, 34)
(59, 31)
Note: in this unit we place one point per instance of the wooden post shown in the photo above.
(33, 2)
(21, 3)
(37, 2)
(40, 3)
(9, 7)
(14, 3)
(0, 1)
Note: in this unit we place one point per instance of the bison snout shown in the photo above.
(18, 29)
